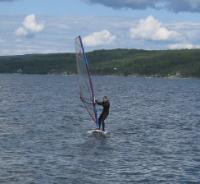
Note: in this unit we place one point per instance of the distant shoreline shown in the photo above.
(107, 75)
(118, 62)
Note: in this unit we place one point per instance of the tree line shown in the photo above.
(161, 63)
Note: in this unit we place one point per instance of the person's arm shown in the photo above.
(99, 103)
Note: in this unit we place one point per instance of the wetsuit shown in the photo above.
(104, 114)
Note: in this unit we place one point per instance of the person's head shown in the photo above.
(105, 98)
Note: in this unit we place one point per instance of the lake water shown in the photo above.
(153, 131)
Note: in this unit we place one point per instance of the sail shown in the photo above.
(85, 81)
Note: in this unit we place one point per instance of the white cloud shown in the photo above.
(21, 31)
(183, 46)
(152, 29)
(29, 26)
(57, 39)
(103, 37)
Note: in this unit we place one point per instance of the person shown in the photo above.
(106, 105)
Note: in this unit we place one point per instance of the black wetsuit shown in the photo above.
(104, 114)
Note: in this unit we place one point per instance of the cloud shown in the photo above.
(21, 31)
(183, 46)
(134, 4)
(29, 26)
(172, 5)
(6, 0)
(103, 37)
(152, 29)
(56, 38)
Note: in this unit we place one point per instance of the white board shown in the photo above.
(97, 132)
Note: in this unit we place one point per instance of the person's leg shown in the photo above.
(103, 125)
(104, 116)
(99, 121)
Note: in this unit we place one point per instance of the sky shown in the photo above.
(49, 26)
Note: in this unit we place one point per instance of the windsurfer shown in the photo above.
(106, 105)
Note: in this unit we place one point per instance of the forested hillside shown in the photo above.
(183, 63)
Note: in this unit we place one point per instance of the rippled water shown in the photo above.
(153, 131)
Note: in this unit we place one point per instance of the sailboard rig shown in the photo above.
(85, 80)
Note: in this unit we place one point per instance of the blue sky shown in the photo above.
(46, 26)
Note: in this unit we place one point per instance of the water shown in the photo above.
(153, 131)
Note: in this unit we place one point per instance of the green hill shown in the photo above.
(183, 63)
